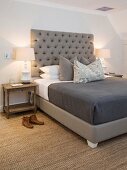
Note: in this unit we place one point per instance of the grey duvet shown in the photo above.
(95, 102)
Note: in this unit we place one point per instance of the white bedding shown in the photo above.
(43, 86)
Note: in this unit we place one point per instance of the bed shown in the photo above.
(92, 120)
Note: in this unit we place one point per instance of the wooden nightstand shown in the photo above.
(15, 108)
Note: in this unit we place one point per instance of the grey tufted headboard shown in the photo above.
(50, 45)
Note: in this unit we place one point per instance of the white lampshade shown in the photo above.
(102, 53)
(24, 54)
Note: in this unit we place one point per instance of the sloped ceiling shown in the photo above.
(118, 5)
(117, 16)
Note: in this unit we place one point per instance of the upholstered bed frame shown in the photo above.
(49, 46)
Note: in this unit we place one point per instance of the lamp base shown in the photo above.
(25, 77)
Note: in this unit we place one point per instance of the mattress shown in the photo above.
(96, 102)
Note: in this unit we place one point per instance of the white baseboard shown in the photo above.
(1, 108)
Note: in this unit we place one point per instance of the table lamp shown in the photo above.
(103, 54)
(25, 54)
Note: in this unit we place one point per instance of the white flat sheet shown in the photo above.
(43, 86)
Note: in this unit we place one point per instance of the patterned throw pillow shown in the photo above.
(91, 72)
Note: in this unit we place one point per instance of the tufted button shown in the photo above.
(73, 41)
(83, 47)
(73, 52)
(40, 47)
(55, 59)
(86, 42)
(36, 53)
(44, 52)
(55, 47)
(35, 40)
(40, 59)
(59, 40)
(59, 52)
(55, 35)
(76, 36)
(52, 40)
(52, 52)
(85, 52)
(69, 35)
(62, 35)
(48, 59)
(88, 47)
(69, 46)
(62, 46)
(76, 47)
(79, 42)
(66, 52)
(79, 52)
(43, 40)
(48, 46)
(66, 41)
(35, 65)
(47, 34)
(39, 33)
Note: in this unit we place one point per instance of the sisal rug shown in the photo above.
(54, 147)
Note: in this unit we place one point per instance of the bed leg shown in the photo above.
(92, 145)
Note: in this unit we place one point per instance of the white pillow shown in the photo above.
(91, 72)
(53, 69)
(49, 76)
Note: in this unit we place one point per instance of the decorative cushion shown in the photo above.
(65, 69)
(91, 72)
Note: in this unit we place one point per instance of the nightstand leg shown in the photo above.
(35, 108)
(3, 100)
(7, 105)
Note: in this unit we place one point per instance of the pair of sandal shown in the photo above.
(29, 121)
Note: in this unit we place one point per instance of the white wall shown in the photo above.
(16, 20)
(118, 20)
